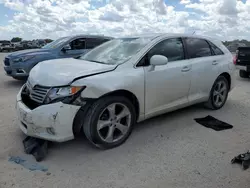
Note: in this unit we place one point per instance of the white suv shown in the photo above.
(126, 80)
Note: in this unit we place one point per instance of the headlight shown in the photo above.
(23, 59)
(55, 93)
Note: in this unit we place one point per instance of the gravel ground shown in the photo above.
(170, 151)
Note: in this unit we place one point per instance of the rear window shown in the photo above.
(216, 50)
(198, 48)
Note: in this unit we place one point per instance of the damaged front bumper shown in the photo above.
(53, 122)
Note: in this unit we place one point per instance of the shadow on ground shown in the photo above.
(143, 134)
(13, 83)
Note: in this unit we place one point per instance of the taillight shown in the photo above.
(236, 57)
(234, 60)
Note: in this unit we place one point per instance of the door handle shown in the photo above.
(214, 62)
(186, 69)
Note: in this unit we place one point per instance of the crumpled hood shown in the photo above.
(29, 52)
(61, 72)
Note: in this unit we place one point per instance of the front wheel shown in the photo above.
(218, 94)
(109, 122)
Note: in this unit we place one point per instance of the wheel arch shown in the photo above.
(129, 95)
(209, 104)
(78, 120)
(228, 77)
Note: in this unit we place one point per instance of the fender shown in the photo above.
(121, 78)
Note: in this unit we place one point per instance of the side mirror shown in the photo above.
(66, 48)
(157, 60)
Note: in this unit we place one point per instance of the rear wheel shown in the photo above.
(218, 94)
(109, 121)
(244, 74)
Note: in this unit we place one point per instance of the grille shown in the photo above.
(37, 93)
(6, 62)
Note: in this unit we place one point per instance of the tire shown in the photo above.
(213, 102)
(102, 109)
(20, 78)
(243, 74)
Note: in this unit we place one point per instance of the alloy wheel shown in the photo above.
(114, 122)
(220, 93)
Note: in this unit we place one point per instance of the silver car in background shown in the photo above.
(103, 93)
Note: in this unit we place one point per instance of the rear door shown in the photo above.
(204, 68)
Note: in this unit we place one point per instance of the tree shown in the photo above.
(16, 39)
(48, 40)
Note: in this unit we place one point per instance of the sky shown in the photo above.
(30, 19)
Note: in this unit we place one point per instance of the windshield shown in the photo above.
(56, 43)
(116, 51)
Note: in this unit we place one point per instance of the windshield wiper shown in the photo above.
(77, 57)
(95, 61)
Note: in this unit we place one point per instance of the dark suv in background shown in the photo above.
(19, 64)
(242, 61)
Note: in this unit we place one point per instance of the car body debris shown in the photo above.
(26, 164)
(213, 123)
(37, 147)
(243, 159)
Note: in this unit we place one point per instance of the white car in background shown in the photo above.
(126, 80)
(6, 46)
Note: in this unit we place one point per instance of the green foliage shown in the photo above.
(16, 39)
(48, 40)
(233, 45)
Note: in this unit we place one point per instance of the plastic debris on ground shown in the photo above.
(213, 123)
(26, 164)
(37, 147)
(243, 160)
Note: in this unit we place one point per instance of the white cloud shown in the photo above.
(228, 8)
(225, 19)
(185, 2)
(222, 18)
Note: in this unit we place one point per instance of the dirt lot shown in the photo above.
(170, 151)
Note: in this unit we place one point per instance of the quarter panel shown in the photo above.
(226, 65)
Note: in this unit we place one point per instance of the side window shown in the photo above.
(216, 50)
(198, 48)
(170, 48)
(78, 44)
(143, 62)
(93, 42)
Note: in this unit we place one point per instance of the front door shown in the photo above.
(77, 47)
(167, 86)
